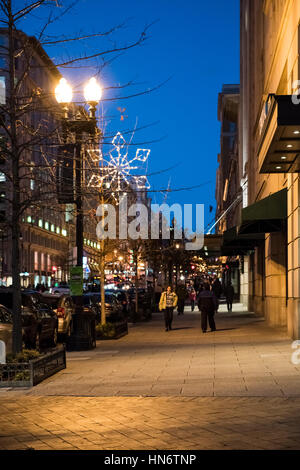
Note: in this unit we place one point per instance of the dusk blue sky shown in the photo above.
(195, 44)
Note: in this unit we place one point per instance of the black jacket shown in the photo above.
(217, 288)
(229, 292)
(207, 302)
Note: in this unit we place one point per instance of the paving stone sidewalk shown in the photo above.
(244, 357)
(135, 423)
(236, 388)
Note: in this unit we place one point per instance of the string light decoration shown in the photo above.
(115, 170)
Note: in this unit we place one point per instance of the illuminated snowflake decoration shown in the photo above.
(117, 168)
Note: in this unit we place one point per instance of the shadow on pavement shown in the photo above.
(225, 329)
(183, 328)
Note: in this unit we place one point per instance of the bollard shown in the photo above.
(2, 352)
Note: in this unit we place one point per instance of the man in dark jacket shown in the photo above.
(217, 288)
(182, 295)
(208, 305)
(229, 292)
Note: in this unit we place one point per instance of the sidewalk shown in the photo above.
(244, 357)
(232, 389)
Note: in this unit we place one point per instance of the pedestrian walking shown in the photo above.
(167, 303)
(182, 295)
(217, 288)
(193, 296)
(229, 292)
(208, 305)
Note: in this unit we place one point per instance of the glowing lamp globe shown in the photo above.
(63, 92)
(92, 91)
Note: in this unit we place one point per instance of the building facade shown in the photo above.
(268, 159)
(44, 241)
(227, 179)
(48, 235)
(227, 185)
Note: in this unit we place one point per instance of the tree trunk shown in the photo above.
(136, 286)
(15, 222)
(102, 282)
(102, 267)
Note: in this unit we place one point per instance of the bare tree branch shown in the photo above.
(138, 42)
(33, 6)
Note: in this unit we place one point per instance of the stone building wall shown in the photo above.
(270, 64)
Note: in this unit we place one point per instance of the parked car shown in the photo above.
(144, 302)
(91, 304)
(123, 298)
(40, 323)
(113, 307)
(61, 288)
(63, 306)
(6, 326)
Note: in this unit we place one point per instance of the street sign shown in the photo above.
(76, 280)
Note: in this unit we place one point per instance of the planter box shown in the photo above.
(28, 374)
(121, 329)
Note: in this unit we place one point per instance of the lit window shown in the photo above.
(36, 260)
(64, 232)
(41, 223)
(29, 219)
(2, 177)
(32, 185)
(58, 230)
(47, 225)
(52, 228)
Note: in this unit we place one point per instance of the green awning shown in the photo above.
(240, 244)
(265, 216)
(212, 246)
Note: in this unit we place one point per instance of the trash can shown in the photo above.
(83, 336)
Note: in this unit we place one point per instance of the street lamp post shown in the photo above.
(177, 246)
(83, 337)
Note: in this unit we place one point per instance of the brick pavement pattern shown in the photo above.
(236, 388)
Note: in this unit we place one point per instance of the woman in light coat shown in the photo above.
(167, 303)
